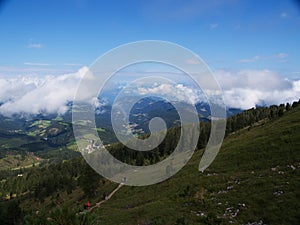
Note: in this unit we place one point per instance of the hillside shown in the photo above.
(254, 180)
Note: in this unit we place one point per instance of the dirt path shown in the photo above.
(106, 199)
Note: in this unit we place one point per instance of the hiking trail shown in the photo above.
(104, 200)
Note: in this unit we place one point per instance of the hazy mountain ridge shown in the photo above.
(141, 113)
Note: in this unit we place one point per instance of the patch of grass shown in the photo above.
(16, 161)
(41, 123)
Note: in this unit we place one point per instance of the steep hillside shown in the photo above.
(254, 180)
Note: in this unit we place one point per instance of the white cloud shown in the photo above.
(214, 26)
(33, 95)
(296, 86)
(51, 94)
(253, 59)
(243, 89)
(281, 57)
(36, 64)
(175, 92)
(35, 45)
(248, 88)
(9, 71)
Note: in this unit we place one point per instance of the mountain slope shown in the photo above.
(254, 179)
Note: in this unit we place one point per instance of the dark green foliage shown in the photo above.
(295, 104)
(181, 221)
(89, 180)
(10, 212)
(59, 216)
(43, 182)
(247, 118)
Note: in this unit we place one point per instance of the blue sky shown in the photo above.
(252, 46)
(60, 36)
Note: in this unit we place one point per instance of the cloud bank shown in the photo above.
(34, 95)
(243, 89)
(248, 88)
(51, 94)
(176, 92)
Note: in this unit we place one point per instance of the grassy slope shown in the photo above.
(240, 179)
(16, 162)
